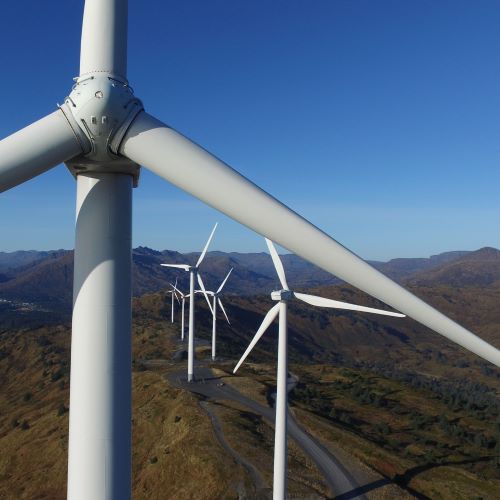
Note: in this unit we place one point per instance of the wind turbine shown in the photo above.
(283, 296)
(103, 135)
(183, 301)
(216, 299)
(174, 294)
(193, 273)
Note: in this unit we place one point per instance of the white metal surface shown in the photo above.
(336, 304)
(191, 327)
(104, 37)
(278, 265)
(172, 309)
(280, 445)
(214, 325)
(224, 281)
(204, 291)
(223, 310)
(99, 462)
(178, 266)
(268, 319)
(35, 149)
(207, 244)
(182, 318)
(172, 156)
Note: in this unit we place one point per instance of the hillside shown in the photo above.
(480, 268)
(413, 410)
(45, 279)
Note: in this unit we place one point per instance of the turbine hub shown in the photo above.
(282, 295)
(100, 108)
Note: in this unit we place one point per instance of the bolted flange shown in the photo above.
(282, 295)
(100, 108)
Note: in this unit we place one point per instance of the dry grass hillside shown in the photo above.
(415, 411)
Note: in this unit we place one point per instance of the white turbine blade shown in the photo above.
(36, 149)
(278, 265)
(177, 266)
(224, 282)
(223, 310)
(202, 286)
(104, 37)
(175, 288)
(202, 256)
(335, 304)
(150, 143)
(268, 319)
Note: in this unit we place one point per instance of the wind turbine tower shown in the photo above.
(194, 274)
(216, 300)
(283, 296)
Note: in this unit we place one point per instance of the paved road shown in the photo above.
(337, 477)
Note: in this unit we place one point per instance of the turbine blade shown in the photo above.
(35, 149)
(335, 304)
(202, 286)
(224, 282)
(167, 153)
(175, 288)
(223, 310)
(177, 266)
(268, 319)
(278, 265)
(104, 37)
(202, 256)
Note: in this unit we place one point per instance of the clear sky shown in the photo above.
(376, 120)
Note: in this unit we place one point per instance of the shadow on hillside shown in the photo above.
(402, 480)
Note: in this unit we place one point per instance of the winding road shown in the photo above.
(338, 479)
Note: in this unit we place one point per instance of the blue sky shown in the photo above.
(378, 121)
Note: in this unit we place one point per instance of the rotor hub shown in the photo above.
(100, 109)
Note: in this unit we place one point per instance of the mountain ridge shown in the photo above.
(45, 278)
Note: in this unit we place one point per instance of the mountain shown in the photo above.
(45, 278)
(400, 268)
(410, 405)
(47, 282)
(12, 260)
(479, 268)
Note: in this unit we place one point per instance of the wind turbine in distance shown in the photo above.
(216, 300)
(193, 273)
(183, 302)
(104, 135)
(174, 295)
(283, 296)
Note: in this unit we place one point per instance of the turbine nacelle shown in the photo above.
(282, 295)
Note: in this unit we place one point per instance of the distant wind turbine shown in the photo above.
(216, 300)
(193, 273)
(174, 295)
(283, 296)
(183, 301)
